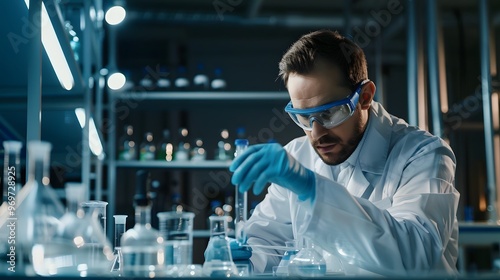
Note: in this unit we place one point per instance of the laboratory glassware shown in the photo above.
(120, 228)
(80, 247)
(307, 262)
(11, 169)
(142, 246)
(241, 206)
(218, 260)
(97, 209)
(198, 152)
(223, 150)
(147, 148)
(218, 83)
(35, 211)
(127, 146)
(165, 149)
(183, 146)
(291, 251)
(177, 231)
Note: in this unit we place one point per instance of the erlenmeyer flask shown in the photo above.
(218, 260)
(11, 187)
(142, 246)
(291, 251)
(37, 207)
(80, 247)
(11, 169)
(307, 262)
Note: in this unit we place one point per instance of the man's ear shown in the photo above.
(366, 95)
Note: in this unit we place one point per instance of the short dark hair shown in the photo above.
(328, 46)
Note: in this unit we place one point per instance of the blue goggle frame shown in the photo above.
(325, 114)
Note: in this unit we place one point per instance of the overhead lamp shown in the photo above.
(116, 81)
(54, 51)
(116, 14)
(95, 143)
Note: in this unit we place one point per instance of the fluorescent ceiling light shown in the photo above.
(95, 143)
(54, 51)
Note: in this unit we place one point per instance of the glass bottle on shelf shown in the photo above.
(223, 151)
(181, 82)
(183, 146)
(142, 246)
(198, 152)
(200, 80)
(11, 169)
(146, 82)
(218, 260)
(148, 148)
(307, 262)
(163, 82)
(241, 199)
(127, 147)
(218, 83)
(165, 149)
(120, 228)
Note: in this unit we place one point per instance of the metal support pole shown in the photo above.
(34, 102)
(379, 73)
(487, 112)
(412, 64)
(87, 58)
(432, 47)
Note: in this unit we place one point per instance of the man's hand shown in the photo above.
(264, 163)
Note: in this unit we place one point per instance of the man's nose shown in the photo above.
(318, 130)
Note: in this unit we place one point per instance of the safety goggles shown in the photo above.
(328, 115)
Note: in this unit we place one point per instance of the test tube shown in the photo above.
(240, 206)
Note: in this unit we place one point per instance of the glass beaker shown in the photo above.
(307, 262)
(291, 251)
(218, 259)
(177, 231)
(97, 207)
(80, 247)
(120, 228)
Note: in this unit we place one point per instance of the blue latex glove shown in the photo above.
(214, 249)
(264, 163)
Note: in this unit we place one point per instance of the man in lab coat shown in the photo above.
(375, 194)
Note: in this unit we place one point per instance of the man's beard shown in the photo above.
(346, 148)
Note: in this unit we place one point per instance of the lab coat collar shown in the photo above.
(374, 146)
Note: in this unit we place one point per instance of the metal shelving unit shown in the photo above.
(159, 98)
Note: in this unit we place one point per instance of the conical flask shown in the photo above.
(142, 246)
(37, 207)
(218, 260)
(11, 169)
(290, 253)
(80, 247)
(11, 187)
(307, 262)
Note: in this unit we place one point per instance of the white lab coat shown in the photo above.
(395, 216)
